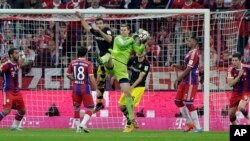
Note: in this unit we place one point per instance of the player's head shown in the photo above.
(14, 54)
(82, 51)
(192, 42)
(99, 22)
(236, 59)
(124, 29)
(142, 56)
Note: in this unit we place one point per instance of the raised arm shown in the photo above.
(85, 25)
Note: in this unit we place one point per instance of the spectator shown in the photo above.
(190, 4)
(95, 4)
(27, 55)
(177, 4)
(33, 4)
(4, 4)
(75, 4)
(246, 56)
(130, 4)
(52, 53)
(239, 4)
(54, 4)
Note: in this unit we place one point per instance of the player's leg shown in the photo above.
(21, 110)
(191, 91)
(7, 104)
(77, 99)
(233, 106)
(89, 105)
(232, 115)
(125, 87)
(101, 82)
(242, 107)
(137, 94)
(183, 109)
(122, 105)
(4, 113)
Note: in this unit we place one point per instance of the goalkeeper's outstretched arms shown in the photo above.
(140, 38)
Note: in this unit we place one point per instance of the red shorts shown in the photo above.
(236, 98)
(13, 100)
(86, 99)
(186, 92)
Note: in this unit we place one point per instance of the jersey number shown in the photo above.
(79, 72)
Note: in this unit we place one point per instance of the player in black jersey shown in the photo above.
(104, 39)
(139, 67)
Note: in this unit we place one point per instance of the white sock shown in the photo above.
(195, 118)
(77, 122)
(15, 124)
(82, 113)
(85, 120)
(185, 114)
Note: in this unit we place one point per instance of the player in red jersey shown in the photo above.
(187, 84)
(80, 71)
(12, 97)
(238, 78)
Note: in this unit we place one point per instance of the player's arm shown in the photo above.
(179, 67)
(184, 74)
(138, 48)
(107, 36)
(85, 25)
(144, 71)
(231, 80)
(138, 80)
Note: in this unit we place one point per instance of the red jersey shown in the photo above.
(191, 60)
(178, 4)
(81, 70)
(193, 5)
(10, 76)
(75, 4)
(243, 84)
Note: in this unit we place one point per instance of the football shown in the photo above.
(144, 35)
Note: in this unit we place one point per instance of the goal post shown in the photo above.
(18, 14)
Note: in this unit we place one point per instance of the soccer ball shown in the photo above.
(144, 35)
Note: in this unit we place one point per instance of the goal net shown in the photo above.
(53, 38)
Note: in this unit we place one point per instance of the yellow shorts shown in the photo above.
(102, 75)
(136, 94)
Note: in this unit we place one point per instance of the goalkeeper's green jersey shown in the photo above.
(122, 48)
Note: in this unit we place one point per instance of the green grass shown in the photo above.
(108, 135)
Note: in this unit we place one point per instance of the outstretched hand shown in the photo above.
(78, 14)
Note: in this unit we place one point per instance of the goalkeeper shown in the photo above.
(139, 67)
(116, 64)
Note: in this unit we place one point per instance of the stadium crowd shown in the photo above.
(47, 47)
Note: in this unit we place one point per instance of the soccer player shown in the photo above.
(80, 71)
(139, 67)
(116, 64)
(187, 84)
(104, 39)
(238, 78)
(12, 97)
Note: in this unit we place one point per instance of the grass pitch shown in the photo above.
(108, 135)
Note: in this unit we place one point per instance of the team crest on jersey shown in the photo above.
(109, 32)
(7, 100)
(190, 62)
(145, 68)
